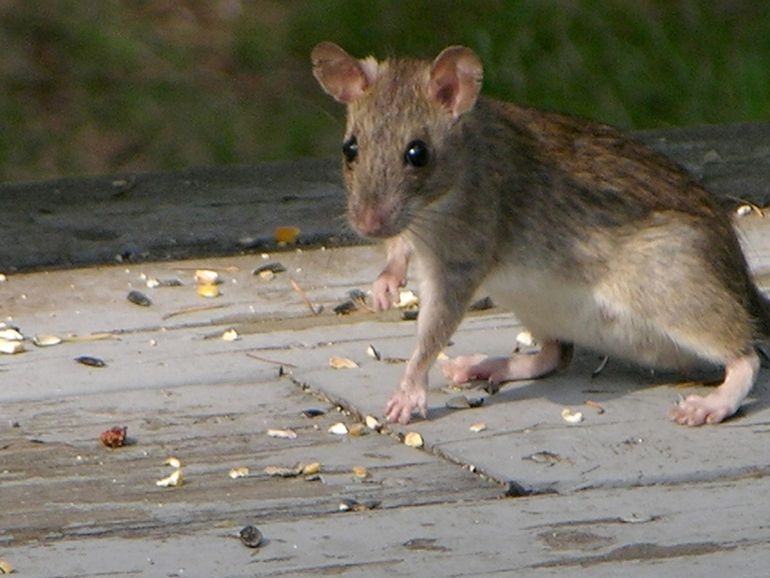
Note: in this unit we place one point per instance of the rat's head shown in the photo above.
(397, 151)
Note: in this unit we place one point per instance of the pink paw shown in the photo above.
(464, 368)
(696, 410)
(385, 290)
(404, 402)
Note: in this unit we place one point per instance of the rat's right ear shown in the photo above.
(341, 75)
(455, 79)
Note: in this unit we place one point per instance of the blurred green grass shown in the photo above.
(105, 86)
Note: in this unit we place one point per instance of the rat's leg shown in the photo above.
(444, 296)
(740, 375)
(385, 290)
(553, 355)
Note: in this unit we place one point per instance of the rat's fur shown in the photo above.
(585, 234)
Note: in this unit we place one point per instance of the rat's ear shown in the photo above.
(455, 79)
(341, 75)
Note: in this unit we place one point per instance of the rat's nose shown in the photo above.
(371, 222)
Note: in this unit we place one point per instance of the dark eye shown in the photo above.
(350, 149)
(416, 154)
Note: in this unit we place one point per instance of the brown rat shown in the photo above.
(588, 236)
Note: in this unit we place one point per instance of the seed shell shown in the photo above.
(342, 363)
(339, 429)
(11, 347)
(174, 480)
(271, 267)
(46, 340)
(11, 334)
(250, 536)
(571, 417)
(207, 277)
(286, 434)
(90, 361)
(414, 440)
(138, 298)
(239, 472)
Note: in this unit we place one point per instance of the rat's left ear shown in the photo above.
(341, 75)
(455, 79)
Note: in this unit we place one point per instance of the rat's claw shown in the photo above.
(385, 290)
(404, 403)
(696, 410)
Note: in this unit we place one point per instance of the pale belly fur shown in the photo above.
(552, 307)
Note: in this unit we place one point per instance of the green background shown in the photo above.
(103, 86)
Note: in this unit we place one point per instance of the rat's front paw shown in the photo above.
(385, 290)
(404, 402)
(697, 410)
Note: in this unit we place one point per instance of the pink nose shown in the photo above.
(370, 222)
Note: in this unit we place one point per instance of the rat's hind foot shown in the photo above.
(725, 401)
(500, 369)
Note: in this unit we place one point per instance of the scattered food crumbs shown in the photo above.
(373, 423)
(298, 469)
(342, 363)
(3, 277)
(230, 335)
(115, 437)
(5, 567)
(90, 361)
(272, 268)
(339, 429)
(357, 429)
(571, 417)
(525, 338)
(11, 347)
(407, 299)
(478, 427)
(173, 462)
(286, 434)
(208, 290)
(596, 405)
(207, 277)
(372, 352)
(413, 440)
(11, 334)
(286, 235)
(250, 536)
(46, 340)
(174, 480)
(239, 472)
(360, 472)
(138, 298)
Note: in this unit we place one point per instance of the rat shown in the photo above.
(589, 237)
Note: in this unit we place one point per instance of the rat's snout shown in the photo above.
(372, 221)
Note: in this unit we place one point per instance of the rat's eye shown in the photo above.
(350, 149)
(416, 154)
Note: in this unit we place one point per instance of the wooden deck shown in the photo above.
(624, 492)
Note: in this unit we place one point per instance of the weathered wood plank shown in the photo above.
(228, 210)
(665, 532)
